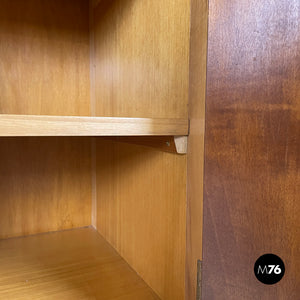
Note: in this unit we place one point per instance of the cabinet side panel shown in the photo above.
(195, 162)
(252, 148)
(45, 185)
(141, 201)
(142, 57)
(44, 50)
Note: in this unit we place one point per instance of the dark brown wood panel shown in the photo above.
(252, 158)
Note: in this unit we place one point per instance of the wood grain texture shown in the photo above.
(45, 185)
(25, 125)
(69, 265)
(252, 152)
(195, 157)
(93, 111)
(142, 58)
(45, 64)
(161, 143)
(141, 212)
(173, 144)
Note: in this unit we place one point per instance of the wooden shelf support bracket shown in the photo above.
(181, 144)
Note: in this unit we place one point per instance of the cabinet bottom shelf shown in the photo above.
(73, 264)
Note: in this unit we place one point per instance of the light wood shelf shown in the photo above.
(73, 264)
(36, 125)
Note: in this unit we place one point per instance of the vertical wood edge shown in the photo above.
(92, 60)
(199, 280)
(195, 157)
(93, 113)
(94, 182)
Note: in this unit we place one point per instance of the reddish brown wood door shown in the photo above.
(252, 147)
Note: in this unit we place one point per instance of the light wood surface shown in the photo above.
(161, 143)
(141, 211)
(252, 148)
(45, 64)
(69, 265)
(129, 61)
(45, 185)
(24, 125)
(142, 58)
(172, 144)
(92, 59)
(195, 156)
(181, 144)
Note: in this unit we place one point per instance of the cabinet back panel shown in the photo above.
(142, 58)
(45, 185)
(141, 211)
(44, 50)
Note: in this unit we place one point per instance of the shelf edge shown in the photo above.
(34, 125)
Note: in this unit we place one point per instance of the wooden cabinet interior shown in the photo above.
(67, 68)
(44, 50)
(141, 58)
(84, 266)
